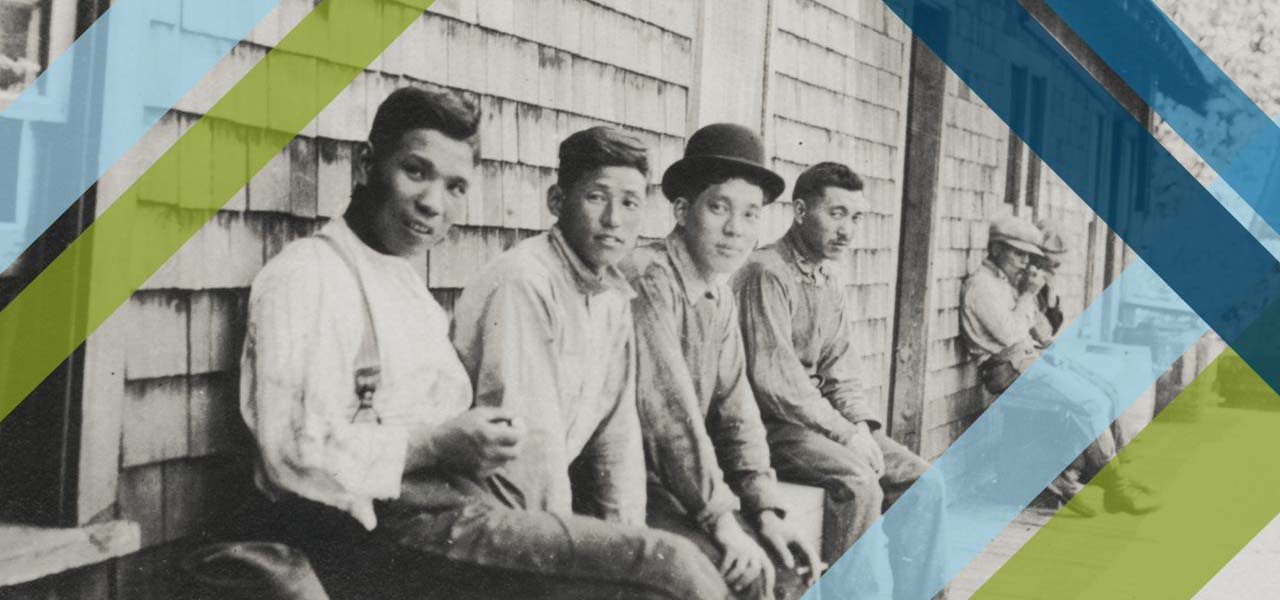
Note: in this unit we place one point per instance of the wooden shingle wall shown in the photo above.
(539, 69)
(970, 194)
(839, 93)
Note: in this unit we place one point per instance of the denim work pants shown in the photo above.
(509, 552)
(856, 497)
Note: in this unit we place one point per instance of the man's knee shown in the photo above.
(858, 487)
(685, 570)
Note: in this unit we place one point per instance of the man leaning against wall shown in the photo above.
(1007, 322)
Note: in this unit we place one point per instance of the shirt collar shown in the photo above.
(995, 269)
(588, 282)
(818, 272)
(695, 286)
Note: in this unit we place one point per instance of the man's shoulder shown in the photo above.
(764, 262)
(647, 262)
(984, 278)
(304, 261)
(525, 267)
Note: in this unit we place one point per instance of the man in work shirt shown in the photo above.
(696, 407)
(374, 462)
(1006, 325)
(802, 362)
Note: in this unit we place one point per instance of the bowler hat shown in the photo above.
(720, 147)
(1017, 233)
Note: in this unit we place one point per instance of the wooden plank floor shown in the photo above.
(997, 552)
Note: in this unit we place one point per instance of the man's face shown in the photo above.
(600, 215)
(1011, 261)
(826, 222)
(1041, 270)
(420, 185)
(721, 225)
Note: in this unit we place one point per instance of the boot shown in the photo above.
(1065, 488)
(1126, 495)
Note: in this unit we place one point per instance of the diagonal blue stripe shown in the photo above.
(1174, 225)
(98, 98)
(1189, 91)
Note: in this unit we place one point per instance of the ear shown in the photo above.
(680, 208)
(555, 199)
(800, 208)
(364, 163)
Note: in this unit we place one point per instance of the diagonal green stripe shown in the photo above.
(132, 239)
(1215, 470)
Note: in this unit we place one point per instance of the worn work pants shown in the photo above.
(856, 496)
(451, 538)
(667, 515)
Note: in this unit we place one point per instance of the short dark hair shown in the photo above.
(410, 108)
(814, 181)
(597, 147)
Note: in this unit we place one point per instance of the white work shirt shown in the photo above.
(297, 387)
(993, 315)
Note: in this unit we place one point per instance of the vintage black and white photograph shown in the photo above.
(577, 299)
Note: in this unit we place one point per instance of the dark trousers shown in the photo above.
(856, 497)
(451, 538)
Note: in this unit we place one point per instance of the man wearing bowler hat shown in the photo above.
(1006, 320)
(802, 360)
(707, 454)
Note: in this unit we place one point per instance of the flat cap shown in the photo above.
(1017, 233)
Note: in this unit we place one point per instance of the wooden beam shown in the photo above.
(915, 298)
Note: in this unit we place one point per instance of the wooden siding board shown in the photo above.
(155, 421)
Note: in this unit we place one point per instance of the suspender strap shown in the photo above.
(368, 365)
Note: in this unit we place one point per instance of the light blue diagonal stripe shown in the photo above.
(107, 89)
(1234, 137)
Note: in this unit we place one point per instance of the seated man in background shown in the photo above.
(802, 360)
(696, 408)
(545, 333)
(372, 458)
(1006, 324)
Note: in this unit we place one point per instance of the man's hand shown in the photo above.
(780, 537)
(476, 443)
(864, 445)
(1032, 281)
(745, 562)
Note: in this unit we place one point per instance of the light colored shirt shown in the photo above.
(801, 356)
(993, 315)
(297, 388)
(542, 335)
(696, 408)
